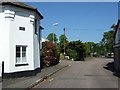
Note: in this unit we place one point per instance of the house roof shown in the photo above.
(41, 28)
(16, 3)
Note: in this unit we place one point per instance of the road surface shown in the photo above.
(83, 74)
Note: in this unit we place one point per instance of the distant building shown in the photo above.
(19, 39)
(43, 40)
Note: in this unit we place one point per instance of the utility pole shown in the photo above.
(54, 24)
(64, 41)
(53, 37)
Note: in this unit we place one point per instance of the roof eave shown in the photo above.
(32, 9)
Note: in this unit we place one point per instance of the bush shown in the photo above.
(72, 54)
(49, 54)
(77, 50)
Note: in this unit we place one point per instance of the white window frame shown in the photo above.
(21, 58)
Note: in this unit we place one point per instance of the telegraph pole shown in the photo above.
(54, 24)
(64, 41)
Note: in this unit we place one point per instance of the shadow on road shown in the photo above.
(110, 66)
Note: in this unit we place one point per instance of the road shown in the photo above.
(83, 74)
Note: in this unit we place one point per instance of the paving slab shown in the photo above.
(29, 82)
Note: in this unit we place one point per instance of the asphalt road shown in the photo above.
(95, 73)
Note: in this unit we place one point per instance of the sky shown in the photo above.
(85, 21)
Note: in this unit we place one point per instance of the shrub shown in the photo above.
(78, 48)
(72, 54)
(49, 54)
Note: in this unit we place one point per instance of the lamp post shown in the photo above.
(54, 24)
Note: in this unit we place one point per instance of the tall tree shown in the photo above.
(52, 36)
(89, 47)
(108, 41)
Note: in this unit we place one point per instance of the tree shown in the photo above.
(89, 48)
(77, 46)
(108, 40)
(72, 54)
(50, 37)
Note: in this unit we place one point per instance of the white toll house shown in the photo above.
(19, 39)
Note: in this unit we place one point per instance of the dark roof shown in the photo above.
(41, 28)
(21, 5)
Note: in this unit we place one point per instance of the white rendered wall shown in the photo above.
(19, 37)
(12, 36)
(36, 44)
(36, 50)
(4, 40)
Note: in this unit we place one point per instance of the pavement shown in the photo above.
(29, 82)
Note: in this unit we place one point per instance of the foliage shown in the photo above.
(72, 54)
(89, 47)
(50, 37)
(108, 41)
(104, 46)
(49, 54)
(78, 46)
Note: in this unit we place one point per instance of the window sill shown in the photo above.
(24, 64)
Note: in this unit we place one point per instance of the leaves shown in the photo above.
(108, 40)
(52, 36)
(49, 54)
(77, 50)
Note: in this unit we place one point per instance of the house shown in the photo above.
(44, 39)
(117, 47)
(19, 39)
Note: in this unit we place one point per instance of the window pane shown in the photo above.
(23, 54)
(18, 54)
(23, 57)
(23, 49)
(17, 59)
(18, 49)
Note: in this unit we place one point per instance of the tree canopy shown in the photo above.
(50, 37)
(108, 40)
(77, 47)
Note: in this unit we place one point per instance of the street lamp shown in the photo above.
(54, 24)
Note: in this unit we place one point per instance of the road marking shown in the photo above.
(51, 79)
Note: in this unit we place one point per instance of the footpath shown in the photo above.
(29, 82)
